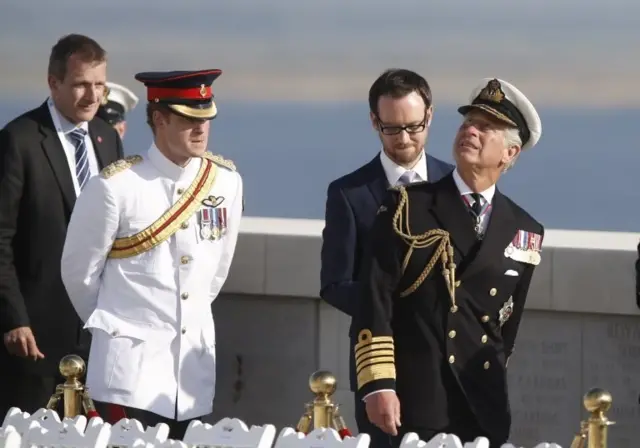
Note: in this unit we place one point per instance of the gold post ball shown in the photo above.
(322, 382)
(597, 400)
(72, 366)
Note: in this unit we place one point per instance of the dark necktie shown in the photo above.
(82, 159)
(476, 208)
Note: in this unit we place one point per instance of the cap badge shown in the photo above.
(203, 91)
(105, 95)
(492, 92)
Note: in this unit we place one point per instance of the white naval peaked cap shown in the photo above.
(122, 95)
(505, 102)
(118, 101)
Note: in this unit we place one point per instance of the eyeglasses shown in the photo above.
(409, 128)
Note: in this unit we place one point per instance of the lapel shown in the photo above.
(500, 231)
(54, 152)
(98, 144)
(379, 184)
(434, 169)
(453, 215)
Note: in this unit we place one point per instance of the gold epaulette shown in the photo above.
(219, 160)
(120, 165)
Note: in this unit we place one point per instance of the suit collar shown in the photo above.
(378, 184)
(453, 215)
(54, 151)
(501, 230)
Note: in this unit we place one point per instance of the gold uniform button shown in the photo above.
(180, 190)
(486, 365)
(452, 334)
(185, 295)
(485, 318)
(454, 309)
(484, 339)
(184, 225)
(452, 359)
(184, 259)
(493, 291)
(184, 330)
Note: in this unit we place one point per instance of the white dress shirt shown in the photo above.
(63, 129)
(150, 314)
(393, 171)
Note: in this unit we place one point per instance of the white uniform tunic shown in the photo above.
(150, 314)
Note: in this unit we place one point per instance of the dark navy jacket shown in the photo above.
(352, 203)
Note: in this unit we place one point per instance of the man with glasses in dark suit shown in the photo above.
(401, 110)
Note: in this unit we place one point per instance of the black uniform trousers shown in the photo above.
(177, 429)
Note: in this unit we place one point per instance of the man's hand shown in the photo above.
(21, 342)
(383, 410)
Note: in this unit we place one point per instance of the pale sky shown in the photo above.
(562, 52)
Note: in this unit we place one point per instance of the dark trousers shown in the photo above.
(177, 429)
(26, 391)
(379, 438)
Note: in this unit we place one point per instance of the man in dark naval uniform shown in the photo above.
(445, 286)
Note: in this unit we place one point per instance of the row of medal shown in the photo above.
(213, 222)
(525, 247)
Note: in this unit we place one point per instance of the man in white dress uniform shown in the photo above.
(148, 249)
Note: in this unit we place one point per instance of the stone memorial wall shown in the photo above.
(581, 329)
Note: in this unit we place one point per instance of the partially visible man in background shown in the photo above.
(117, 103)
(401, 110)
(46, 157)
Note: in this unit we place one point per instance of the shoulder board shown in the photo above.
(120, 165)
(219, 160)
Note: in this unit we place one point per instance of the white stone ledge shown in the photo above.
(581, 271)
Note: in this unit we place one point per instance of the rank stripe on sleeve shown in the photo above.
(170, 221)
(375, 358)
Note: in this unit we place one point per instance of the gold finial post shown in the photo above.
(72, 368)
(598, 402)
(323, 385)
(322, 410)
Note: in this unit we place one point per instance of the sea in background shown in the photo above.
(582, 175)
(292, 97)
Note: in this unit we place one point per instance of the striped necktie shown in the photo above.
(82, 160)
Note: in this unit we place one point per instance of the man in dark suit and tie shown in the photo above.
(46, 157)
(400, 112)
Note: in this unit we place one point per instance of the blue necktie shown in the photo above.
(82, 159)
